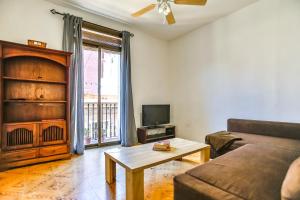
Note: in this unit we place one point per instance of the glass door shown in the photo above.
(101, 95)
(91, 95)
(110, 90)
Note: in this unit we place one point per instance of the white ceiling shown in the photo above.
(187, 18)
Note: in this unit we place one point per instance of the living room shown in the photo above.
(212, 66)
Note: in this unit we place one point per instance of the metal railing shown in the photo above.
(108, 118)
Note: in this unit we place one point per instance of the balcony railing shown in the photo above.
(109, 122)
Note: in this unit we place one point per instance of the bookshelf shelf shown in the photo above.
(33, 101)
(32, 80)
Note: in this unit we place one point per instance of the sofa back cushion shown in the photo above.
(290, 189)
(276, 129)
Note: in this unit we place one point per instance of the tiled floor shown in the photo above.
(83, 178)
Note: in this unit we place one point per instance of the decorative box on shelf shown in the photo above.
(36, 43)
(152, 134)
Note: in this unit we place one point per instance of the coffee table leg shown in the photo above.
(205, 155)
(134, 185)
(110, 170)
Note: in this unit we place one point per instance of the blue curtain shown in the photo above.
(127, 125)
(72, 42)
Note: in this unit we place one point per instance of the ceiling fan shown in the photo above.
(164, 7)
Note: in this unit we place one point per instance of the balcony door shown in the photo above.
(101, 95)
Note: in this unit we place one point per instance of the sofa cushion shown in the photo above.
(291, 185)
(262, 139)
(252, 172)
(187, 187)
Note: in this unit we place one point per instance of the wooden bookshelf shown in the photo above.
(35, 111)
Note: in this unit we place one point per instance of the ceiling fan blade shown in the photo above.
(144, 10)
(191, 2)
(170, 18)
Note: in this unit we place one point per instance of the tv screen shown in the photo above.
(153, 115)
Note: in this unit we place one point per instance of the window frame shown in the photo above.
(104, 30)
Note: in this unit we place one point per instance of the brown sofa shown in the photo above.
(253, 168)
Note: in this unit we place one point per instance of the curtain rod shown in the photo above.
(53, 11)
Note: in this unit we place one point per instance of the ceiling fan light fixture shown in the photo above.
(164, 7)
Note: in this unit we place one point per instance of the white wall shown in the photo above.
(31, 19)
(245, 65)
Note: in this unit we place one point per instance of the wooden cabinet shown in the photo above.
(35, 106)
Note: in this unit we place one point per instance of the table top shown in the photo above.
(142, 156)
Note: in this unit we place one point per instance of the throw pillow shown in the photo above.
(290, 189)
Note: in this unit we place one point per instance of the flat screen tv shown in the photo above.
(154, 115)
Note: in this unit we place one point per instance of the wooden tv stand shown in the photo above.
(163, 132)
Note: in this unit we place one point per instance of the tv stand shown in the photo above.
(154, 127)
(155, 133)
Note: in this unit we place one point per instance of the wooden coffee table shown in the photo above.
(137, 158)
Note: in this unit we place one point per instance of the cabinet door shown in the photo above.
(53, 132)
(19, 136)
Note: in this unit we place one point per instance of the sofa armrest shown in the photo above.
(187, 187)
